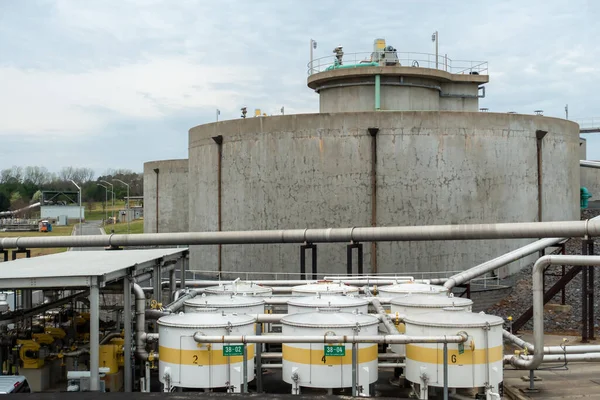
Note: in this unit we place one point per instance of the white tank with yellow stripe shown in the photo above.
(410, 287)
(473, 364)
(185, 363)
(240, 287)
(324, 287)
(230, 303)
(300, 304)
(413, 304)
(319, 365)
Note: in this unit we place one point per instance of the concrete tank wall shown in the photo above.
(590, 177)
(172, 196)
(310, 171)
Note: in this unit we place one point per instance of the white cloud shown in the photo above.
(39, 102)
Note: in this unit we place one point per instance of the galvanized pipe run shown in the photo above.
(522, 230)
(538, 303)
(380, 356)
(380, 339)
(589, 164)
(140, 322)
(505, 259)
(295, 282)
(576, 349)
(391, 329)
(561, 358)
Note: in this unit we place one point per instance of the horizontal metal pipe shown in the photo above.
(293, 282)
(507, 258)
(151, 337)
(272, 366)
(522, 230)
(155, 314)
(279, 355)
(573, 349)
(391, 365)
(389, 339)
(560, 358)
(589, 164)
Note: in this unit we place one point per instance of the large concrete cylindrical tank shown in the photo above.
(302, 304)
(324, 366)
(166, 196)
(329, 288)
(226, 303)
(240, 287)
(379, 168)
(185, 363)
(473, 364)
(412, 304)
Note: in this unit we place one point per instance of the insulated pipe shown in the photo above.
(177, 304)
(381, 339)
(521, 230)
(575, 349)
(381, 356)
(589, 164)
(384, 317)
(538, 303)
(505, 259)
(140, 322)
(155, 314)
(359, 281)
(109, 337)
(561, 358)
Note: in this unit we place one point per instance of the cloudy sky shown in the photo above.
(114, 83)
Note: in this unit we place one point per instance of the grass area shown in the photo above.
(136, 226)
(97, 213)
(56, 231)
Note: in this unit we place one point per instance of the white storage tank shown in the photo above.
(227, 303)
(337, 288)
(328, 366)
(412, 304)
(240, 287)
(410, 287)
(470, 365)
(302, 304)
(185, 363)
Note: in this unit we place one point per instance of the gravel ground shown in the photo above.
(568, 322)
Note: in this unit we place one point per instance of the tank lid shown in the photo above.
(239, 287)
(221, 301)
(428, 301)
(327, 319)
(205, 320)
(454, 317)
(410, 287)
(325, 287)
(327, 301)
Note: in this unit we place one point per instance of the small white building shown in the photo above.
(53, 212)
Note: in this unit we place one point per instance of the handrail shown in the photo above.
(406, 59)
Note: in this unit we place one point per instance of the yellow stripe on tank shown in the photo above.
(315, 356)
(436, 355)
(201, 356)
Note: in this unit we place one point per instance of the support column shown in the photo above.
(157, 281)
(127, 318)
(185, 261)
(172, 284)
(377, 92)
(94, 336)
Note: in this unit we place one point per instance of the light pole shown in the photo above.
(313, 45)
(112, 187)
(80, 218)
(127, 208)
(105, 201)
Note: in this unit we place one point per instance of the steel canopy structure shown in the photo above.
(73, 269)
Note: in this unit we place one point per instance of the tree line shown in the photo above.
(21, 186)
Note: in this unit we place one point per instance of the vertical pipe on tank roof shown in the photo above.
(373, 132)
(540, 136)
(219, 141)
(377, 92)
(157, 171)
